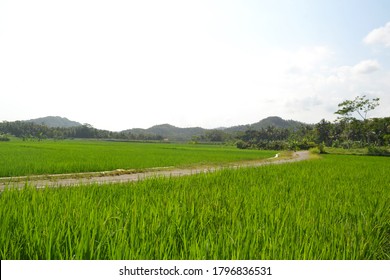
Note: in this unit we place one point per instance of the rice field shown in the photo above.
(336, 207)
(19, 158)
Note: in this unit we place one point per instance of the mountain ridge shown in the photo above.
(168, 131)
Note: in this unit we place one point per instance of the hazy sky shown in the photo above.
(119, 64)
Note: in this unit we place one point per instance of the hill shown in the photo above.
(55, 121)
(169, 131)
(176, 133)
(274, 121)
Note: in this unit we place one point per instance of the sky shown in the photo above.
(120, 64)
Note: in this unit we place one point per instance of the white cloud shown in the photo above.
(131, 64)
(347, 73)
(366, 67)
(315, 94)
(305, 59)
(306, 103)
(379, 35)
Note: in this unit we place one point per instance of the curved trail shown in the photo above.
(100, 178)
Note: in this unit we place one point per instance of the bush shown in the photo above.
(315, 150)
(378, 151)
(321, 148)
(277, 145)
(4, 138)
(242, 145)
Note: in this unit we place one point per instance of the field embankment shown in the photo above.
(123, 176)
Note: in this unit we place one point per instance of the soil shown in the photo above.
(123, 176)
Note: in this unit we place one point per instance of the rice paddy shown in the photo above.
(337, 207)
(19, 158)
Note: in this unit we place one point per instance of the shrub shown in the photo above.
(4, 138)
(321, 148)
(315, 150)
(242, 145)
(378, 151)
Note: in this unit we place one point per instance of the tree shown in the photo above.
(325, 132)
(360, 105)
(216, 135)
(355, 130)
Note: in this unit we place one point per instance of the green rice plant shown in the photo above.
(20, 158)
(334, 208)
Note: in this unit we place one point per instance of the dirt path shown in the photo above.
(112, 177)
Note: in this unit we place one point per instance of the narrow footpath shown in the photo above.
(77, 179)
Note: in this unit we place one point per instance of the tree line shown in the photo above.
(352, 129)
(31, 131)
(341, 134)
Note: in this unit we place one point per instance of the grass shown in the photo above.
(337, 207)
(342, 151)
(383, 151)
(20, 158)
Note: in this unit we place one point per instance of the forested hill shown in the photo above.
(271, 133)
(56, 121)
(177, 133)
(169, 131)
(60, 127)
(274, 121)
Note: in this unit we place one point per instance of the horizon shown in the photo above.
(117, 65)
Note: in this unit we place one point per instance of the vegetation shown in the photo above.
(44, 128)
(70, 156)
(55, 122)
(272, 138)
(353, 129)
(4, 138)
(360, 105)
(350, 132)
(378, 151)
(347, 132)
(334, 208)
(29, 131)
